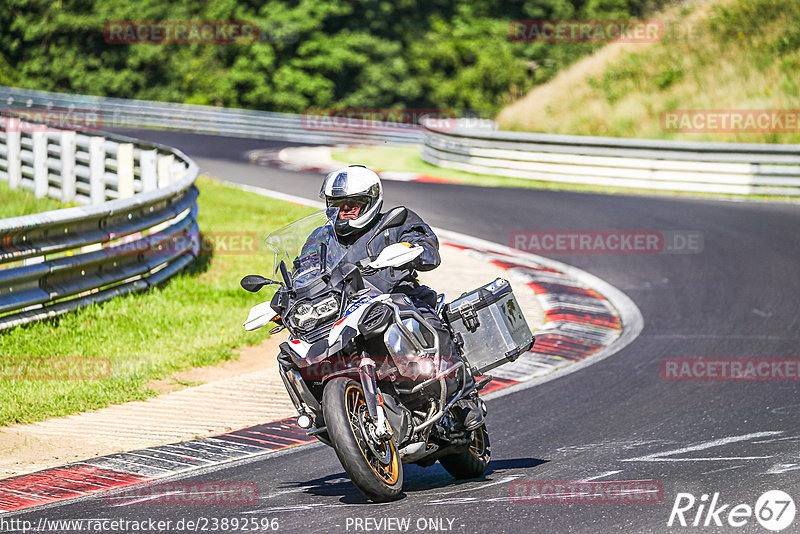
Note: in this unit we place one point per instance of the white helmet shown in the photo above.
(354, 184)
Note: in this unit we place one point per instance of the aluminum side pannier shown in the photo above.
(489, 326)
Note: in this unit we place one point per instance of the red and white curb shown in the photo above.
(586, 320)
(114, 471)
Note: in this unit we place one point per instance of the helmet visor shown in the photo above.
(350, 207)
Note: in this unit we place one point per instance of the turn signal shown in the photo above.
(304, 421)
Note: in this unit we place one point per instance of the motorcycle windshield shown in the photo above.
(309, 247)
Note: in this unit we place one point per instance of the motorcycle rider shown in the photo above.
(358, 194)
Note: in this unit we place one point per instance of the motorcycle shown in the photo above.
(363, 367)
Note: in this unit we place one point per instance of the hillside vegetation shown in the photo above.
(341, 54)
(734, 54)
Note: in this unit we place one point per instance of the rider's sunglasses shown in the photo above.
(361, 202)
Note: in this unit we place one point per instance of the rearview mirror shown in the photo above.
(254, 282)
(394, 217)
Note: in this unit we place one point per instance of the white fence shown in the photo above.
(76, 167)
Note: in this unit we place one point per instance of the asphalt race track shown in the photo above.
(616, 420)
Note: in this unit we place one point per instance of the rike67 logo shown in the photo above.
(774, 510)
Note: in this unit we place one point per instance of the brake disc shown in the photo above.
(368, 434)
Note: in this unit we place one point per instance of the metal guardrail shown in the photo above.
(139, 228)
(730, 168)
(124, 113)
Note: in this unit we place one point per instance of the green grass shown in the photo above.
(195, 319)
(16, 202)
(407, 159)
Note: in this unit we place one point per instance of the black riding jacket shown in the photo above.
(396, 280)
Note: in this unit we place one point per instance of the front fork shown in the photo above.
(300, 396)
(375, 410)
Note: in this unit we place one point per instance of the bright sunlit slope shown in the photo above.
(725, 55)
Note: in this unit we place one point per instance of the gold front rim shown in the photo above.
(354, 399)
(478, 446)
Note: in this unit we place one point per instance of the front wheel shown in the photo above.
(373, 465)
(472, 462)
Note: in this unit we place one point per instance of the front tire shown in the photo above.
(378, 476)
(472, 462)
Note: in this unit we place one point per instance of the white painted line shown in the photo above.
(127, 501)
(504, 480)
(397, 176)
(275, 194)
(724, 469)
(779, 469)
(522, 370)
(601, 475)
(659, 456)
(787, 438)
(282, 492)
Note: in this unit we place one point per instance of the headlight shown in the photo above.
(306, 315)
(327, 307)
(304, 309)
(303, 316)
